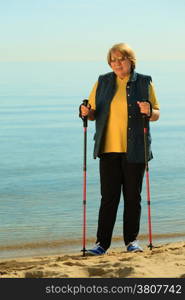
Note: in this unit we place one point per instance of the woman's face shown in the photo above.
(120, 65)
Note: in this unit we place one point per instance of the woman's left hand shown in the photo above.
(144, 108)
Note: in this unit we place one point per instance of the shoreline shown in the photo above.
(163, 261)
(55, 247)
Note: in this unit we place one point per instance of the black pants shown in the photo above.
(117, 174)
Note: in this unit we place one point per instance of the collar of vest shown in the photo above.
(133, 76)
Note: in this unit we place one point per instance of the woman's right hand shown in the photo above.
(85, 110)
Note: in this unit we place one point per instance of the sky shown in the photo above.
(84, 30)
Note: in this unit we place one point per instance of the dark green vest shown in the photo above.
(137, 90)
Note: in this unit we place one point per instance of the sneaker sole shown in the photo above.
(94, 254)
(136, 250)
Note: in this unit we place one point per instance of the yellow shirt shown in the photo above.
(115, 138)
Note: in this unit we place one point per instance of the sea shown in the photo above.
(41, 158)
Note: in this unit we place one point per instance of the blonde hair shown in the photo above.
(125, 50)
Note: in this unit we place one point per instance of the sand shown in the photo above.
(164, 261)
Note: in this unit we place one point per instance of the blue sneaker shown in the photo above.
(134, 247)
(97, 250)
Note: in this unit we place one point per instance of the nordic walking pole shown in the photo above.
(147, 181)
(85, 123)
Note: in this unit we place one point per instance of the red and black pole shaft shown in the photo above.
(147, 180)
(85, 124)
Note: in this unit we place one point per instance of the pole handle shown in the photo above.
(84, 119)
(145, 121)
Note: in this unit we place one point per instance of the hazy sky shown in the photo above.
(66, 30)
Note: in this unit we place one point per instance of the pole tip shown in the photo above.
(83, 252)
(150, 246)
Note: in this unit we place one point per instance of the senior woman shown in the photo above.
(117, 103)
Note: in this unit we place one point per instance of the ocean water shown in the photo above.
(41, 157)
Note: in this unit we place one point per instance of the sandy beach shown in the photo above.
(163, 261)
